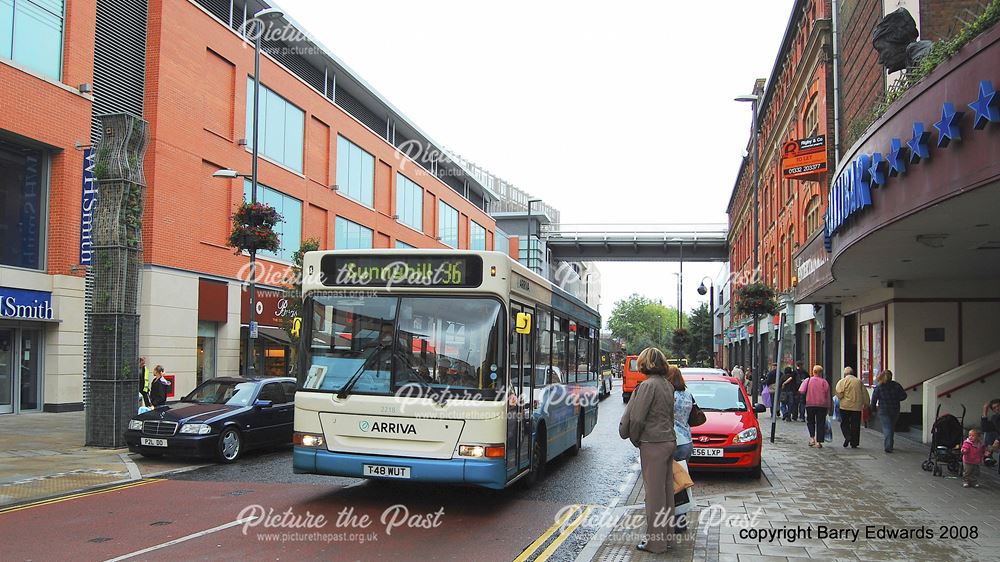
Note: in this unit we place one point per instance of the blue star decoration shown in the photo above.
(948, 125)
(918, 144)
(986, 106)
(897, 158)
(877, 170)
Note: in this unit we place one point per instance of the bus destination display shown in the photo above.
(400, 271)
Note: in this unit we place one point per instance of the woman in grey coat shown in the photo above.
(648, 422)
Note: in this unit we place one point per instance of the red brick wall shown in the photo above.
(862, 78)
(938, 17)
(177, 95)
(59, 117)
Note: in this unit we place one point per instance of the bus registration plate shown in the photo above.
(383, 471)
(705, 452)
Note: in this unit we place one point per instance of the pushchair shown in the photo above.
(947, 434)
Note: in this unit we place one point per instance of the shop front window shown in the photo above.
(207, 334)
(22, 210)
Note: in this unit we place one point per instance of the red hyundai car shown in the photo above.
(730, 439)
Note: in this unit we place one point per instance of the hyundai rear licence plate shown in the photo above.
(154, 442)
(703, 452)
(383, 471)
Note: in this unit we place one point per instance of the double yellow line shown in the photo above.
(581, 512)
(60, 499)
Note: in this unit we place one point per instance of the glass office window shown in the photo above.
(400, 245)
(448, 224)
(409, 202)
(31, 34)
(355, 172)
(350, 235)
(22, 209)
(477, 236)
(501, 242)
(289, 230)
(282, 127)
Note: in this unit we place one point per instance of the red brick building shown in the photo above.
(45, 105)
(796, 103)
(338, 161)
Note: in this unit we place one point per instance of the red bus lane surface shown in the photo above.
(173, 519)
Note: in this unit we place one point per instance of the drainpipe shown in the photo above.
(836, 83)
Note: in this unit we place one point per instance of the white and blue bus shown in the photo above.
(440, 365)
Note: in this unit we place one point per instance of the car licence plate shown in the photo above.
(153, 442)
(383, 471)
(705, 452)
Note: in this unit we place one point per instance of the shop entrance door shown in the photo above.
(6, 371)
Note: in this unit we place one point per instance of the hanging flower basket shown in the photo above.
(756, 299)
(253, 228)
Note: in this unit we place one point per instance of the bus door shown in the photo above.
(519, 395)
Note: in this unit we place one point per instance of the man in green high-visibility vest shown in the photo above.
(144, 372)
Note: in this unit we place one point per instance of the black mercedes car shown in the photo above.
(221, 418)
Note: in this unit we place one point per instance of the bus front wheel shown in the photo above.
(537, 459)
(575, 449)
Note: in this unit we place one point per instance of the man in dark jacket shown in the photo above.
(885, 400)
(990, 422)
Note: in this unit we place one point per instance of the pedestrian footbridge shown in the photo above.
(637, 242)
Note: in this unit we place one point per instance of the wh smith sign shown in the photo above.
(23, 304)
(87, 208)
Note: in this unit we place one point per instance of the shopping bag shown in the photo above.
(829, 430)
(682, 480)
(765, 397)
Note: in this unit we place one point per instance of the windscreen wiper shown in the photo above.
(344, 390)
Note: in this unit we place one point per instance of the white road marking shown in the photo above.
(182, 539)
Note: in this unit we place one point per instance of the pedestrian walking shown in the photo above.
(990, 422)
(853, 398)
(973, 451)
(738, 373)
(683, 403)
(885, 401)
(158, 387)
(648, 422)
(787, 391)
(799, 409)
(816, 392)
(144, 375)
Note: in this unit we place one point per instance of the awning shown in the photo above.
(272, 335)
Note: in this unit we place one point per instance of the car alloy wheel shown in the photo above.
(230, 445)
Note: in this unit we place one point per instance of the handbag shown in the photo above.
(682, 480)
(829, 430)
(696, 417)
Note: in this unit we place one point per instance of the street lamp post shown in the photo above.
(711, 308)
(262, 18)
(754, 99)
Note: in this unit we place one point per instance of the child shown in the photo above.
(973, 451)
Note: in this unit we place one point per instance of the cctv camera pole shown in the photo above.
(777, 378)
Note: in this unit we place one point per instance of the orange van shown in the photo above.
(631, 377)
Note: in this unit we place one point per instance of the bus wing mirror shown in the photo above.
(522, 323)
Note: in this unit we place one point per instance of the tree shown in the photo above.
(642, 322)
(293, 295)
(681, 342)
(700, 346)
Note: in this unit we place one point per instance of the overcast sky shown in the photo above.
(613, 112)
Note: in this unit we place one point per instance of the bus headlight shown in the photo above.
(481, 451)
(746, 435)
(311, 440)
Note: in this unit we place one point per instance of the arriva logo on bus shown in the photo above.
(387, 427)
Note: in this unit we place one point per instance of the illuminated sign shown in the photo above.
(804, 158)
(402, 271)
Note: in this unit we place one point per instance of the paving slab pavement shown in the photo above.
(833, 503)
(43, 455)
